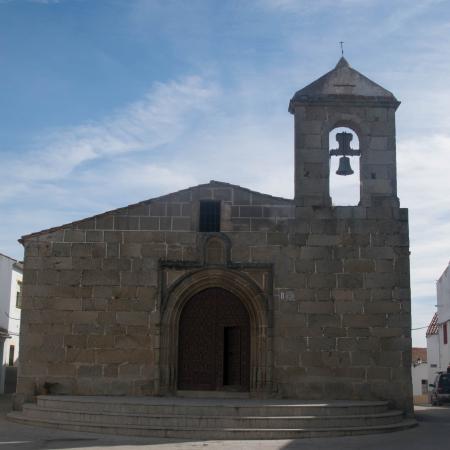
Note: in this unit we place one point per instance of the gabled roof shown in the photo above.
(180, 193)
(433, 328)
(342, 81)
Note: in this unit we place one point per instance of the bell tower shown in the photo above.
(344, 98)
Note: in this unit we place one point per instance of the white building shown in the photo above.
(419, 375)
(10, 297)
(438, 345)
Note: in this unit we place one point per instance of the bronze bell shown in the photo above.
(344, 166)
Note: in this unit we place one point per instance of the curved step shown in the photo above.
(209, 407)
(228, 433)
(212, 421)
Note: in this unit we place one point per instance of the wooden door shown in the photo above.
(214, 342)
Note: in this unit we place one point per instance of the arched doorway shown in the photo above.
(214, 342)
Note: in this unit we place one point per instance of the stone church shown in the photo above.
(220, 288)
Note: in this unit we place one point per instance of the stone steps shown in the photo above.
(190, 421)
(209, 406)
(210, 418)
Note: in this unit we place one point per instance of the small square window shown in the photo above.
(209, 216)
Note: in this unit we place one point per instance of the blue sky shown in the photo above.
(109, 102)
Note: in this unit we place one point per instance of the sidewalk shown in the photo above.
(433, 432)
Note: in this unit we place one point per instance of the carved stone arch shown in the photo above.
(251, 296)
(352, 121)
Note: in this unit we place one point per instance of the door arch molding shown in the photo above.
(254, 300)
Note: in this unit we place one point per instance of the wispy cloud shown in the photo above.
(159, 118)
(41, 2)
(404, 13)
(46, 2)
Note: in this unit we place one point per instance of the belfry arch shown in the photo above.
(254, 300)
(344, 163)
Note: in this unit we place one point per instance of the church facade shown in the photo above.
(220, 288)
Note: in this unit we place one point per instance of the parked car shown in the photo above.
(441, 389)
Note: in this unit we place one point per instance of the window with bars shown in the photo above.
(209, 216)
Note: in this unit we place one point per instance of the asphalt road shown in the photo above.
(433, 432)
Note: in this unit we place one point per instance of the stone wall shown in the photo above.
(338, 294)
(345, 333)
